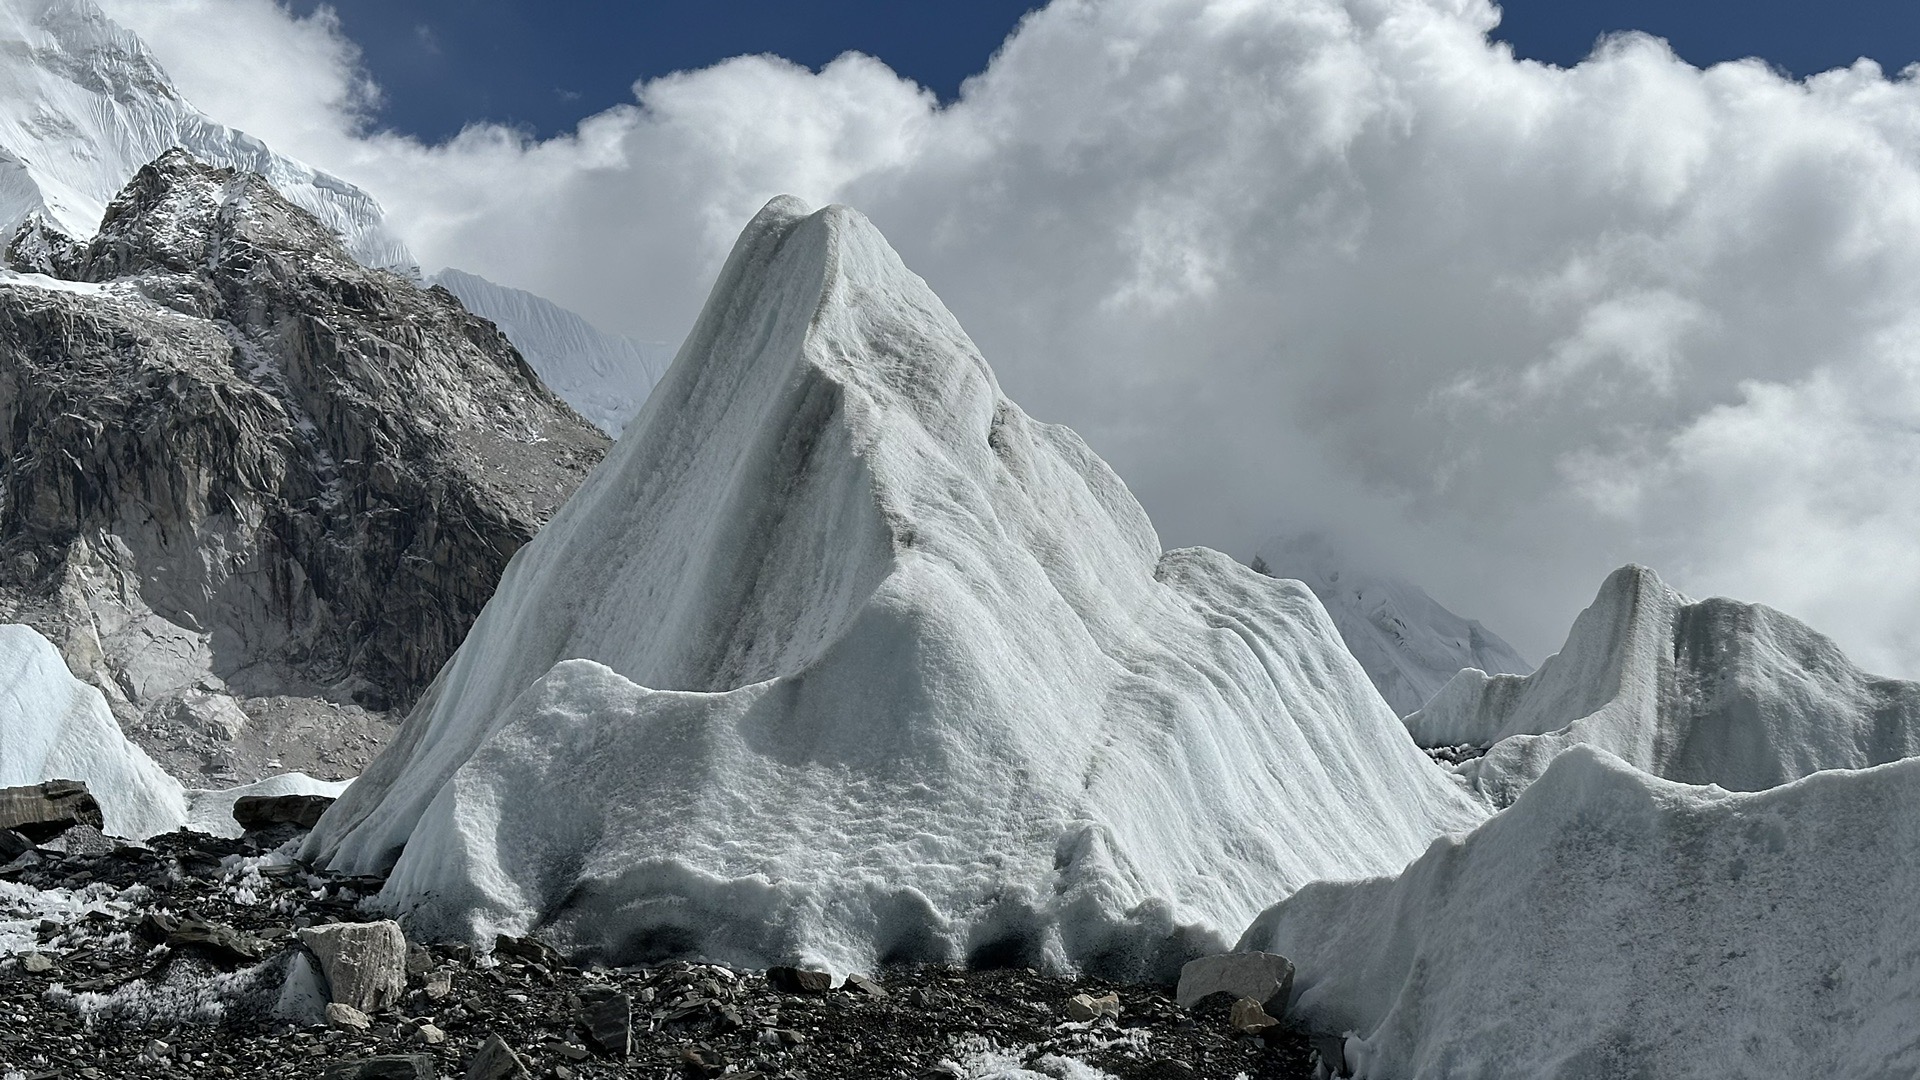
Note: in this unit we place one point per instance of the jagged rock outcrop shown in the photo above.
(240, 465)
(1703, 692)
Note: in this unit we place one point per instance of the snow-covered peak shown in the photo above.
(605, 377)
(841, 657)
(1408, 643)
(1703, 692)
(83, 105)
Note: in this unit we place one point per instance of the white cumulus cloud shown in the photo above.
(1344, 263)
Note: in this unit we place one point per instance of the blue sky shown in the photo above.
(543, 66)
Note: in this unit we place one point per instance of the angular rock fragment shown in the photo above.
(868, 987)
(384, 1067)
(609, 1023)
(13, 845)
(347, 1017)
(1084, 1007)
(365, 964)
(1267, 978)
(495, 1060)
(255, 812)
(1248, 1018)
(43, 811)
(793, 980)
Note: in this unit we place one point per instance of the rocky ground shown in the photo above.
(171, 959)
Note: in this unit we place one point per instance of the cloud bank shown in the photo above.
(1341, 263)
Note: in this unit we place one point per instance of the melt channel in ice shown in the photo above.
(841, 658)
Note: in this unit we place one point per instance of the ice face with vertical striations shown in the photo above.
(841, 658)
(1408, 643)
(83, 105)
(55, 727)
(1611, 924)
(605, 377)
(1709, 692)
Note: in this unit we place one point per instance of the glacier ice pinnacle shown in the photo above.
(1709, 692)
(841, 659)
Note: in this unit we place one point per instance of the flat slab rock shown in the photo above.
(255, 812)
(43, 811)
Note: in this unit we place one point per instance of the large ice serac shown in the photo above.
(1713, 692)
(1408, 643)
(83, 105)
(1612, 924)
(55, 727)
(605, 377)
(840, 657)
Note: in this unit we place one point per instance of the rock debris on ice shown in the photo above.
(841, 658)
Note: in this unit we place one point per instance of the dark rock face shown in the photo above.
(237, 464)
(44, 811)
(257, 812)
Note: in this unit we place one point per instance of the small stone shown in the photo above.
(867, 986)
(347, 1017)
(561, 1072)
(1248, 1018)
(429, 1035)
(1080, 1008)
(1267, 978)
(13, 845)
(439, 986)
(36, 963)
(365, 964)
(570, 1051)
(495, 1060)
(793, 980)
(384, 1067)
(790, 1037)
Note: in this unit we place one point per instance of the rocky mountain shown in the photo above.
(1708, 692)
(843, 658)
(1408, 643)
(605, 377)
(255, 491)
(83, 104)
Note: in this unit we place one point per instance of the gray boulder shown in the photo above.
(1265, 978)
(43, 811)
(365, 964)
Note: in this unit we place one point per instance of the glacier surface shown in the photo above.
(1613, 924)
(1709, 692)
(841, 658)
(84, 104)
(605, 377)
(1408, 643)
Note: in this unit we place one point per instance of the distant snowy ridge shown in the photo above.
(1612, 924)
(83, 105)
(605, 377)
(839, 657)
(1409, 645)
(1709, 692)
(55, 727)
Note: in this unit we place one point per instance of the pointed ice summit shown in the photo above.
(841, 658)
(1709, 692)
